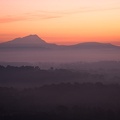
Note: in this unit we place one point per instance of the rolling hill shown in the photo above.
(34, 41)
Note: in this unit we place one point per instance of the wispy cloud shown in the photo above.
(6, 34)
(7, 19)
(99, 9)
(15, 18)
(86, 9)
(40, 14)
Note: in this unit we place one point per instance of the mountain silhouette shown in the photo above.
(93, 45)
(30, 41)
(34, 41)
(33, 49)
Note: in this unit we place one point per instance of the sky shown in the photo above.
(61, 21)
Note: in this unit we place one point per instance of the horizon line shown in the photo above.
(61, 43)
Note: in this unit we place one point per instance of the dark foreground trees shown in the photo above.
(29, 76)
(64, 101)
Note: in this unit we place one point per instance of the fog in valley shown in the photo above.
(44, 81)
(27, 55)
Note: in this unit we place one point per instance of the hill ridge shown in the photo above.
(34, 40)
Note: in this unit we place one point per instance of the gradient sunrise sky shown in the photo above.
(61, 21)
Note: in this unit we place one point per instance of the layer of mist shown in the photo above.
(59, 55)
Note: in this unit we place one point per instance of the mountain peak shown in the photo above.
(32, 35)
(34, 41)
(30, 39)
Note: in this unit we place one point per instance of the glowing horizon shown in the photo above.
(61, 22)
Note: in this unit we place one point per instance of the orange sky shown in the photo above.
(61, 21)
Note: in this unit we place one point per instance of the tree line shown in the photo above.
(66, 101)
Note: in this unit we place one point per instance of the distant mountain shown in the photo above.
(34, 41)
(31, 41)
(93, 45)
(33, 49)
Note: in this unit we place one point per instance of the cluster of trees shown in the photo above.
(63, 94)
(16, 68)
(64, 101)
(32, 76)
